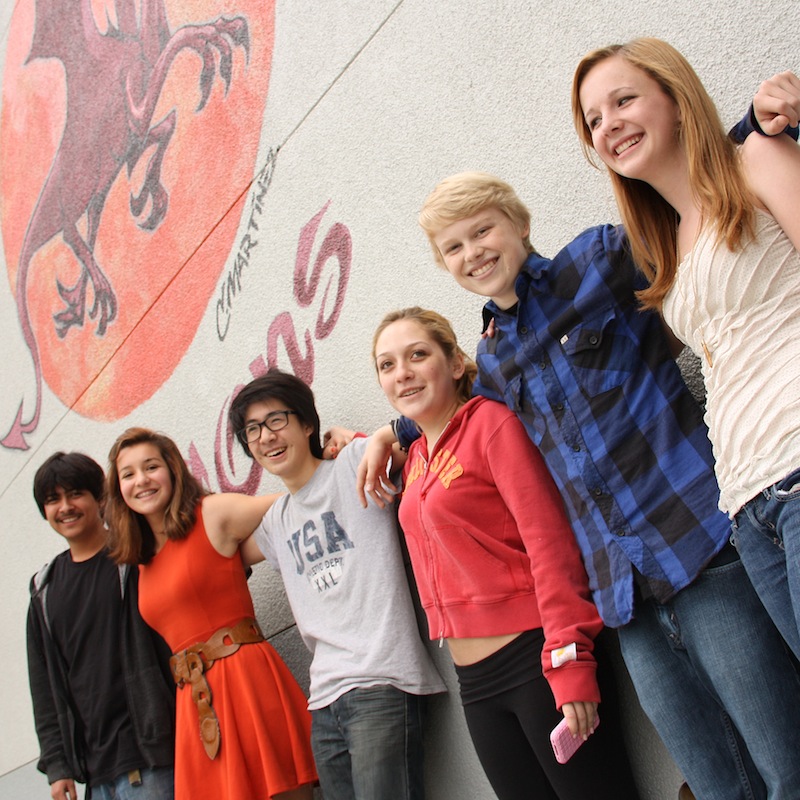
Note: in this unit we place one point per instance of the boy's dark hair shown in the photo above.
(69, 471)
(283, 386)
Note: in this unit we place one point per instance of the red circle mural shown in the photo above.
(128, 132)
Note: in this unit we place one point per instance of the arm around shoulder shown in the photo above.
(230, 518)
(374, 465)
(772, 169)
(335, 439)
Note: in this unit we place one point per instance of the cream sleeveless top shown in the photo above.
(740, 313)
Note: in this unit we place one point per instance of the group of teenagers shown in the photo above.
(563, 483)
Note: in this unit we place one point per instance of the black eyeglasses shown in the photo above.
(275, 421)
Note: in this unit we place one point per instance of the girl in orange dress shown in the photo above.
(243, 729)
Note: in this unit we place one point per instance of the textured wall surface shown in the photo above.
(277, 226)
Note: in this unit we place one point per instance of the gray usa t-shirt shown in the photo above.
(343, 571)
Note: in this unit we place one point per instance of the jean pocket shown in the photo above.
(788, 488)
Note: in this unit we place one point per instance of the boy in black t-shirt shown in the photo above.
(103, 698)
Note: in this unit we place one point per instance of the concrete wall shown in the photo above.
(290, 230)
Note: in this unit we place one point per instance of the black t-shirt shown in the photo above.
(85, 604)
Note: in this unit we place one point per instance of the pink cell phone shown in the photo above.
(564, 744)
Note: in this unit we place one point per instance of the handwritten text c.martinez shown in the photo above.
(232, 284)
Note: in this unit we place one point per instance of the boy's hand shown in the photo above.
(371, 474)
(489, 332)
(777, 103)
(63, 789)
(334, 440)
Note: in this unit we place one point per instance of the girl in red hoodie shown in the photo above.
(498, 570)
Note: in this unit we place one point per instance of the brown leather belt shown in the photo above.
(189, 665)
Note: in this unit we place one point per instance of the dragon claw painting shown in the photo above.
(127, 80)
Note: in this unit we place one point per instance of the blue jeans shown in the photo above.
(718, 683)
(368, 745)
(766, 532)
(157, 784)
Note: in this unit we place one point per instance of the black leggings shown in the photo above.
(511, 732)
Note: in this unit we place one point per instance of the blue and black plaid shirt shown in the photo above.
(592, 379)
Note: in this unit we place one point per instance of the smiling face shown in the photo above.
(633, 123)
(145, 482)
(285, 453)
(416, 376)
(484, 253)
(74, 514)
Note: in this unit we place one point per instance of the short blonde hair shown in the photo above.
(441, 331)
(465, 194)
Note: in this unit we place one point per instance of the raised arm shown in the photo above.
(772, 168)
(230, 518)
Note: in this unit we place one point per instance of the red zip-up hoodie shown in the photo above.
(491, 547)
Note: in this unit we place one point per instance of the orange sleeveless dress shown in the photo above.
(187, 592)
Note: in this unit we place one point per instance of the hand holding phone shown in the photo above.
(564, 743)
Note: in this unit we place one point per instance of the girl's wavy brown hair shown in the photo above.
(131, 537)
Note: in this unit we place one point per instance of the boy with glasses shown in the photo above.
(346, 583)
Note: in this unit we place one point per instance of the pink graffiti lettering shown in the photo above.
(336, 246)
(282, 328)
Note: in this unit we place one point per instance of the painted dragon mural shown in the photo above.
(114, 81)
